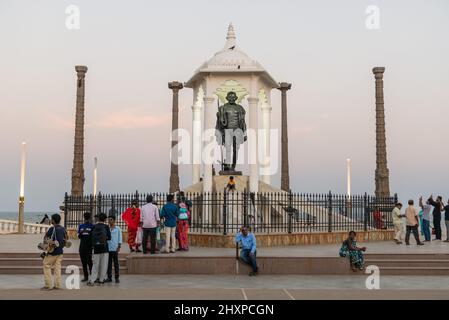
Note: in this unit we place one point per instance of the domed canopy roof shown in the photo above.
(231, 59)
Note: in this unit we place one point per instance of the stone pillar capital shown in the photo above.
(379, 72)
(81, 70)
(175, 85)
(284, 86)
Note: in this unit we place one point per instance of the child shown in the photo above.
(114, 248)
(231, 184)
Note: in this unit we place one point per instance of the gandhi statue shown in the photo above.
(231, 129)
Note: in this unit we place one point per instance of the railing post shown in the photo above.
(366, 212)
(290, 211)
(66, 201)
(225, 220)
(329, 212)
(99, 202)
(245, 208)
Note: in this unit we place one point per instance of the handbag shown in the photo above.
(139, 236)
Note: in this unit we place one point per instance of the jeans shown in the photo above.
(113, 259)
(99, 267)
(86, 261)
(414, 230)
(49, 263)
(426, 229)
(170, 239)
(152, 233)
(437, 225)
(248, 259)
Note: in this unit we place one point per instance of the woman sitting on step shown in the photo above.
(355, 253)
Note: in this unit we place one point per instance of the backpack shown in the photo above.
(183, 212)
(99, 235)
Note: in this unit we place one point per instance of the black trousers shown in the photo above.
(86, 261)
(113, 259)
(437, 225)
(414, 230)
(152, 233)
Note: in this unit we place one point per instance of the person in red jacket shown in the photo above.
(131, 216)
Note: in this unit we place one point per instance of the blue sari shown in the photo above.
(355, 256)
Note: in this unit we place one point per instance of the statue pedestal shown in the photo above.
(230, 173)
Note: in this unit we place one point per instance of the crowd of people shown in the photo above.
(426, 222)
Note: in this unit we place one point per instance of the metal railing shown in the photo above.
(277, 212)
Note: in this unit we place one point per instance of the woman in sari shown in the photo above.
(131, 216)
(355, 253)
(183, 225)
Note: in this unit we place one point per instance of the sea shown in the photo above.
(31, 217)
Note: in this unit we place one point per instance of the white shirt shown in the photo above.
(149, 216)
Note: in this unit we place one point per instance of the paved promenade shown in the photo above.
(28, 243)
(205, 287)
(211, 287)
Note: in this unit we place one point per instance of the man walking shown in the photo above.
(426, 208)
(437, 208)
(248, 252)
(100, 236)
(114, 246)
(397, 223)
(412, 223)
(149, 221)
(169, 213)
(85, 249)
(55, 237)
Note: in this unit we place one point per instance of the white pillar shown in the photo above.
(196, 136)
(266, 126)
(348, 176)
(209, 116)
(252, 144)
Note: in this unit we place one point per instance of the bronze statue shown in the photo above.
(230, 130)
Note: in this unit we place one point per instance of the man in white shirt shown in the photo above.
(397, 223)
(149, 221)
(412, 217)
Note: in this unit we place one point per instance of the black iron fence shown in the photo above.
(225, 212)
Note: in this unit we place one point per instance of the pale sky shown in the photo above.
(133, 48)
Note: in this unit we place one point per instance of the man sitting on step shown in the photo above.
(248, 252)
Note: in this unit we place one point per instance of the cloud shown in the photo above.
(130, 120)
(59, 122)
(126, 119)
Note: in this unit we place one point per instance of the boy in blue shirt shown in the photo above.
(248, 253)
(114, 246)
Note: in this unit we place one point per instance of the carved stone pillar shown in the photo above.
(78, 150)
(175, 86)
(382, 172)
(285, 175)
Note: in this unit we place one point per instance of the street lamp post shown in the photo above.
(22, 189)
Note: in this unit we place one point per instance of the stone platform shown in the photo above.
(19, 252)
